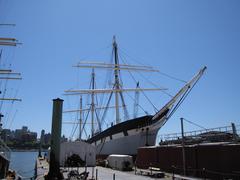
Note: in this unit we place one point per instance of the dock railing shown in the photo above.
(204, 133)
(5, 151)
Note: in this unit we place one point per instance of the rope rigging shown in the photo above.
(11, 106)
(6, 75)
(12, 120)
(140, 88)
(181, 100)
(138, 104)
(162, 73)
(4, 91)
(96, 101)
(194, 124)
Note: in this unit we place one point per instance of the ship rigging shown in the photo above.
(116, 90)
(123, 136)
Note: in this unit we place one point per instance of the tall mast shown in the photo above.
(92, 104)
(116, 84)
(80, 120)
(116, 89)
(136, 102)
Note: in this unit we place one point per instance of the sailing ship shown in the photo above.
(124, 137)
(5, 75)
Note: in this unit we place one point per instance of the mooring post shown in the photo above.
(135, 169)
(96, 174)
(234, 132)
(92, 172)
(204, 176)
(173, 176)
(54, 167)
(40, 150)
(183, 148)
(85, 159)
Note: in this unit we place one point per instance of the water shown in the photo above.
(23, 163)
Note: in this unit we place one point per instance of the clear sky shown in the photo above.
(177, 37)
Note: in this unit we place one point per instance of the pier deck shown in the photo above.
(42, 168)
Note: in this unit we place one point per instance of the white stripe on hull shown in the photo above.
(129, 144)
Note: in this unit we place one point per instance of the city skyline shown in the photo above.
(26, 130)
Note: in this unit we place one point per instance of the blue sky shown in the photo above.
(177, 37)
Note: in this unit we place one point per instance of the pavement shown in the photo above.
(102, 173)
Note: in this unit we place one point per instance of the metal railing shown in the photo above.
(199, 133)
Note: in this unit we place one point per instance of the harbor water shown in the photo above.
(23, 163)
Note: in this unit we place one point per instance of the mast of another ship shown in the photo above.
(6, 41)
(7, 74)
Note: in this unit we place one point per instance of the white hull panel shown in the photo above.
(128, 145)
